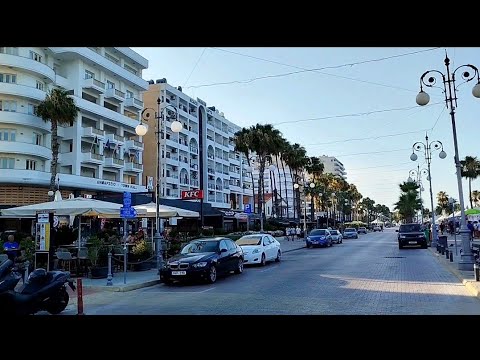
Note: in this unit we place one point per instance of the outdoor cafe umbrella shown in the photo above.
(473, 211)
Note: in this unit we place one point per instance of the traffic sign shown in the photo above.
(128, 212)
(127, 199)
(247, 208)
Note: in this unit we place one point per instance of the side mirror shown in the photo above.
(396, 230)
(223, 250)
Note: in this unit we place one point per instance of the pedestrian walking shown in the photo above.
(298, 231)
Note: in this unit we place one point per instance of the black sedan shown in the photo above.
(204, 259)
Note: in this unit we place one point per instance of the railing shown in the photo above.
(211, 171)
(173, 176)
(118, 137)
(194, 150)
(98, 83)
(116, 161)
(210, 156)
(194, 182)
(94, 156)
(211, 186)
(119, 93)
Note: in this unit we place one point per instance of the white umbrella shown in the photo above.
(165, 211)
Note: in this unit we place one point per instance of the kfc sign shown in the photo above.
(192, 194)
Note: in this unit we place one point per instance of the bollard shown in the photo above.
(25, 274)
(446, 254)
(451, 256)
(443, 250)
(109, 278)
(79, 297)
(476, 270)
(438, 248)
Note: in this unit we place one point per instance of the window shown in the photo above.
(8, 78)
(9, 50)
(223, 245)
(40, 85)
(129, 68)
(7, 134)
(129, 94)
(8, 105)
(111, 58)
(266, 241)
(231, 245)
(89, 75)
(35, 56)
(30, 165)
(110, 85)
(32, 109)
(37, 139)
(7, 163)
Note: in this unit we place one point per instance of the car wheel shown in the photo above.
(239, 268)
(212, 274)
(356, 237)
(400, 246)
(263, 262)
(309, 245)
(279, 256)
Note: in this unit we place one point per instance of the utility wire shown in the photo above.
(367, 138)
(373, 152)
(350, 115)
(303, 70)
(195, 66)
(374, 167)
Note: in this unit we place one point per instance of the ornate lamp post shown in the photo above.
(417, 174)
(469, 72)
(141, 130)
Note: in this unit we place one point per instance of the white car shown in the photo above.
(259, 248)
(337, 237)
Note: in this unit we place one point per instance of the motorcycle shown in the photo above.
(43, 291)
(9, 276)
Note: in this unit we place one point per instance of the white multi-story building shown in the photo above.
(99, 151)
(201, 156)
(333, 166)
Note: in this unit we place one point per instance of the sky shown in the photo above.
(378, 86)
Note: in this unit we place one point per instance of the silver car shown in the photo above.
(337, 237)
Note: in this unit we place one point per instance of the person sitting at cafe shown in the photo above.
(11, 248)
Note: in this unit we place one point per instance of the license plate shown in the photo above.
(179, 273)
(412, 242)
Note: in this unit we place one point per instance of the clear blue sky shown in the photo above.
(375, 166)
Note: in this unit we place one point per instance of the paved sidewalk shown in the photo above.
(288, 246)
(134, 280)
(466, 277)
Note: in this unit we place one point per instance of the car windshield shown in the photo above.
(317, 232)
(249, 240)
(200, 247)
(350, 230)
(333, 232)
(361, 228)
(410, 228)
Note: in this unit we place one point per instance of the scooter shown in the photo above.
(9, 276)
(42, 291)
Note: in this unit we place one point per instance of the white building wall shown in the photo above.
(65, 68)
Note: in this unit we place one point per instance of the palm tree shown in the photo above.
(297, 161)
(286, 157)
(368, 205)
(408, 203)
(263, 140)
(442, 203)
(58, 108)
(241, 145)
(470, 170)
(315, 168)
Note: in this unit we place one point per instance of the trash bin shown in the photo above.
(442, 241)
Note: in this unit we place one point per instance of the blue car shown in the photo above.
(319, 237)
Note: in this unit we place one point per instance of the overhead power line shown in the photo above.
(194, 67)
(304, 70)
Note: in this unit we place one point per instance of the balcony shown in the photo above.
(114, 163)
(24, 91)
(115, 95)
(94, 85)
(194, 150)
(114, 138)
(28, 65)
(194, 166)
(91, 158)
(92, 132)
(134, 145)
(133, 104)
(23, 148)
(133, 167)
(20, 118)
(194, 183)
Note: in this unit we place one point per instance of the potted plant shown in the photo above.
(96, 254)
(142, 251)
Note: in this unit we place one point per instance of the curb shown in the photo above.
(469, 284)
(124, 288)
(300, 248)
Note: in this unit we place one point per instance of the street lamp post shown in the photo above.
(469, 72)
(141, 130)
(418, 175)
(427, 148)
(304, 185)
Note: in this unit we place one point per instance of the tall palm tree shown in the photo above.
(368, 205)
(442, 203)
(408, 203)
(286, 155)
(263, 140)
(470, 170)
(315, 168)
(241, 145)
(58, 108)
(297, 161)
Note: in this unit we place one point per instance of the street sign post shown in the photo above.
(247, 208)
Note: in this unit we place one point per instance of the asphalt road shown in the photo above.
(369, 275)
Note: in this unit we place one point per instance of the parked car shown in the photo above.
(362, 230)
(350, 233)
(260, 248)
(337, 237)
(377, 228)
(204, 259)
(411, 234)
(319, 237)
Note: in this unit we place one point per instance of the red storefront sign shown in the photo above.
(192, 194)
